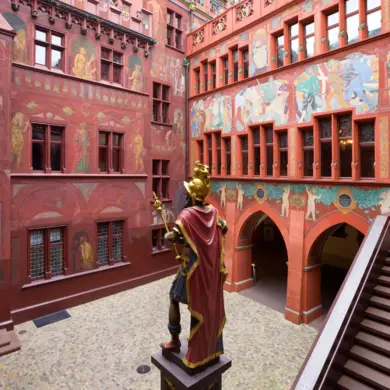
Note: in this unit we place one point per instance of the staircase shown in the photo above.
(8, 342)
(368, 366)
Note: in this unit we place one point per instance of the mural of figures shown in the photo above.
(19, 45)
(388, 72)
(139, 151)
(311, 203)
(178, 123)
(240, 196)
(385, 202)
(168, 214)
(222, 192)
(84, 63)
(261, 103)
(214, 113)
(135, 74)
(158, 17)
(19, 125)
(82, 252)
(177, 76)
(259, 62)
(285, 202)
(82, 142)
(352, 82)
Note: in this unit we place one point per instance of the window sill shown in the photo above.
(85, 175)
(75, 275)
(175, 48)
(164, 200)
(159, 251)
(161, 124)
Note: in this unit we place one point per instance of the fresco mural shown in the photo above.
(84, 64)
(352, 82)
(259, 60)
(317, 201)
(261, 103)
(82, 142)
(214, 113)
(178, 123)
(388, 73)
(19, 45)
(19, 125)
(135, 74)
(159, 23)
(82, 252)
(138, 150)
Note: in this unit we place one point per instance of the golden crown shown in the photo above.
(199, 187)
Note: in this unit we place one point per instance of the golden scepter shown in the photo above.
(157, 204)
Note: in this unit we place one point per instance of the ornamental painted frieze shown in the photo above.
(244, 10)
(219, 25)
(198, 37)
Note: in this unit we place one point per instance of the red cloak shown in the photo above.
(202, 229)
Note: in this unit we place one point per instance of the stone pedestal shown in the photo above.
(174, 377)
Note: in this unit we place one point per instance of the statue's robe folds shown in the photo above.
(204, 274)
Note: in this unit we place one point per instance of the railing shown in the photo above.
(326, 347)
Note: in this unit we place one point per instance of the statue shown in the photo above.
(199, 282)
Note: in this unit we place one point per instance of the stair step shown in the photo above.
(381, 302)
(5, 338)
(367, 374)
(378, 314)
(347, 383)
(387, 260)
(13, 346)
(382, 290)
(376, 327)
(373, 342)
(374, 359)
(386, 269)
(384, 280)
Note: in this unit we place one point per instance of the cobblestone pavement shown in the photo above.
(104, 342)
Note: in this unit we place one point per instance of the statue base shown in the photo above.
(176, 376)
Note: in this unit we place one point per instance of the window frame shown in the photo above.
(328, 27)
(245, 62)
(213, 71)
(110, 151)
(159, 177)
(256, 150)
(161, 247)
(175, 30)
(209, 148)
(361, 145)
(228, 154)
(110, 242)
(281, 150)
(112, 64)
(206, 79)
(350, 15)
(278, 47)
(160, 102)
(49, 47)
(225, 69)
(244, 154)
(235, 54)
(291, 39)
(307, 148)
(305, 23)
(218, 150)
(366, 13)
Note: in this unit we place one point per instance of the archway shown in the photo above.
(268, 252)
(334, 251)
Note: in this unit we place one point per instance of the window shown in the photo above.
(158, 240)
(279, 50)
(225, 67)
(219, 152)
(47, 148)
(228, 153)
(109, 242)
(373, 17)
(214, 75)
(49, 48)
(235, 64)
(256, 150)
(161, 103)
(111, 63)
(283, 153)
(367, 149)
(344, 125)
(197, 80)
(325, 126)
(110, 152)
(174, 29)
(245, 62)
(294, 42)
(200, 151)
(269, 146)
(308, 152)
(205, 75)
(209, 140)
(352, 20)
(46, 252)
(333, 30)
(244, 154)
(161, 178)
(309, 39)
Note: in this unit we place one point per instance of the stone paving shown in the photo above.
(104, 342)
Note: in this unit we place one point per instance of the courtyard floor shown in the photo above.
(103, 343)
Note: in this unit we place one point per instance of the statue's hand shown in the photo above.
(171, 236)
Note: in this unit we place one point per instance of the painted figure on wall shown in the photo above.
(385, 202)
(19, 45)
(158, 16)
(240, 196)
(84, 63)
(138, 149)
(285, 202)
(169, 216)
(222, 192)
(86, 252)
(82, 148)
(18, 127)
(177, 76)
(259, 62)
(311, 203)
(178, 123)
(337, 84)
(135, 73)
(261, 103)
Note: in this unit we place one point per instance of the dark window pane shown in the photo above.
(366, 132)
(37, 156)
(367, 161)
(156, 111)
(165, 188)
(345, 126)
(244, 143)
(56, 56)
(37, 254)
(283, 140)
(56, 134)
(178, 40)
(326, 159)
(103, 159)
(308, 138)
(40, 55)
(257, 160)
(164, 167)
(55, 157)
(308, 160)
(117, 58)
(102, 250)
(270, 160)
(256, 136)
(246, 70)
(56, 251)
(325, 128)
(165, 92)
(280, 59)
(269, 135)
(165, 110)
(201, 156)
(116, 139)
(103, 139)
(154, 239)
(162, 236)
(156, 186)
(245, 163)
(117, 241)
(105, 68)
(106, 54)
(169, 35)
(38, 132)
(117, 77)
(116, 160)
(156, 167)
(156, 90)
(345, 159)
(235, 73)
(219, 161)
(283, 163)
